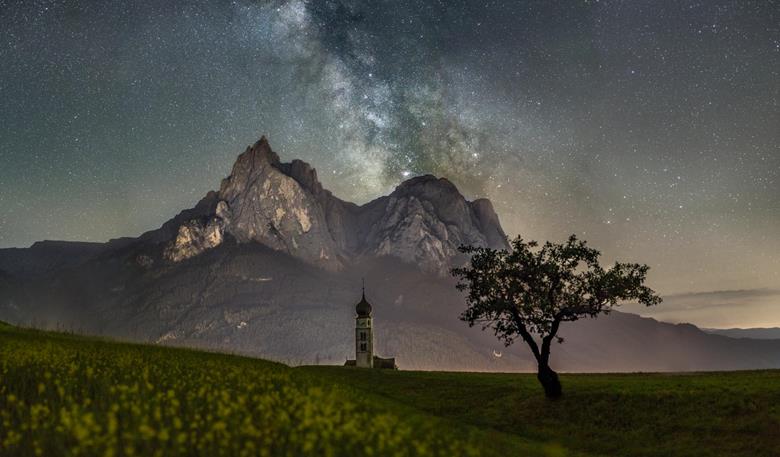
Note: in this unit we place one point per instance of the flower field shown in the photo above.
(67, 395)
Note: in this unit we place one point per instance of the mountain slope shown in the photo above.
(771, 333)
(270, 265)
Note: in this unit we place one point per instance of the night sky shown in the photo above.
(649, 127)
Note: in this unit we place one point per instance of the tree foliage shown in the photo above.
(529, 291)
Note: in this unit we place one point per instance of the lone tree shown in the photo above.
(528, 291)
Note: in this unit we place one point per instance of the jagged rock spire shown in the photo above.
(261, 150)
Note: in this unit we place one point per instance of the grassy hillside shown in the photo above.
(67, 395)
(702, 414)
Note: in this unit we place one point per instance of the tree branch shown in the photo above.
(527, 337)
(547, 340)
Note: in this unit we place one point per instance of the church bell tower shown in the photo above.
(364, 336)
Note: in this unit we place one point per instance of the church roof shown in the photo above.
(363, 308)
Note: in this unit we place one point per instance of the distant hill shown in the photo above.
(772, 333)
(45, 256)
(271, 265)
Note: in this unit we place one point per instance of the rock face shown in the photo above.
(425, 220)
(284, 206)
(266, 205)
(194, 237)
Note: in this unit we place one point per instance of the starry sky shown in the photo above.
(650, 128)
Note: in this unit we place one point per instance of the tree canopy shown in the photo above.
(529, 291)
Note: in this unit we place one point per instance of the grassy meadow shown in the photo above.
(679, 414)
(68, 395)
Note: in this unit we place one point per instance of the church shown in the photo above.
(364, 340)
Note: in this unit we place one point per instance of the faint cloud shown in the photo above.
(719, 298)
(743, 308)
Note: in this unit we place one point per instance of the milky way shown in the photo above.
(649, 128)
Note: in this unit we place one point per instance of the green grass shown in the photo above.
(700, 414)
(69, 395)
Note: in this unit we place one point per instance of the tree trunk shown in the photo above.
(550, 382)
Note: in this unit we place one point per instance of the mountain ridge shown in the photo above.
(284, 206)
(756, 333)
(270, 265)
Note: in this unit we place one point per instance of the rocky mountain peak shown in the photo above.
(284, 206)
(261, 150)
(250, 163)
(427, 183)
(424, 221)
(446, 201)
(270, 202)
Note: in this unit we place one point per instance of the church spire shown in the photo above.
(363, 308)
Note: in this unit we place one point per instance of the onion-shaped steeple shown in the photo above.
(363, 308)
